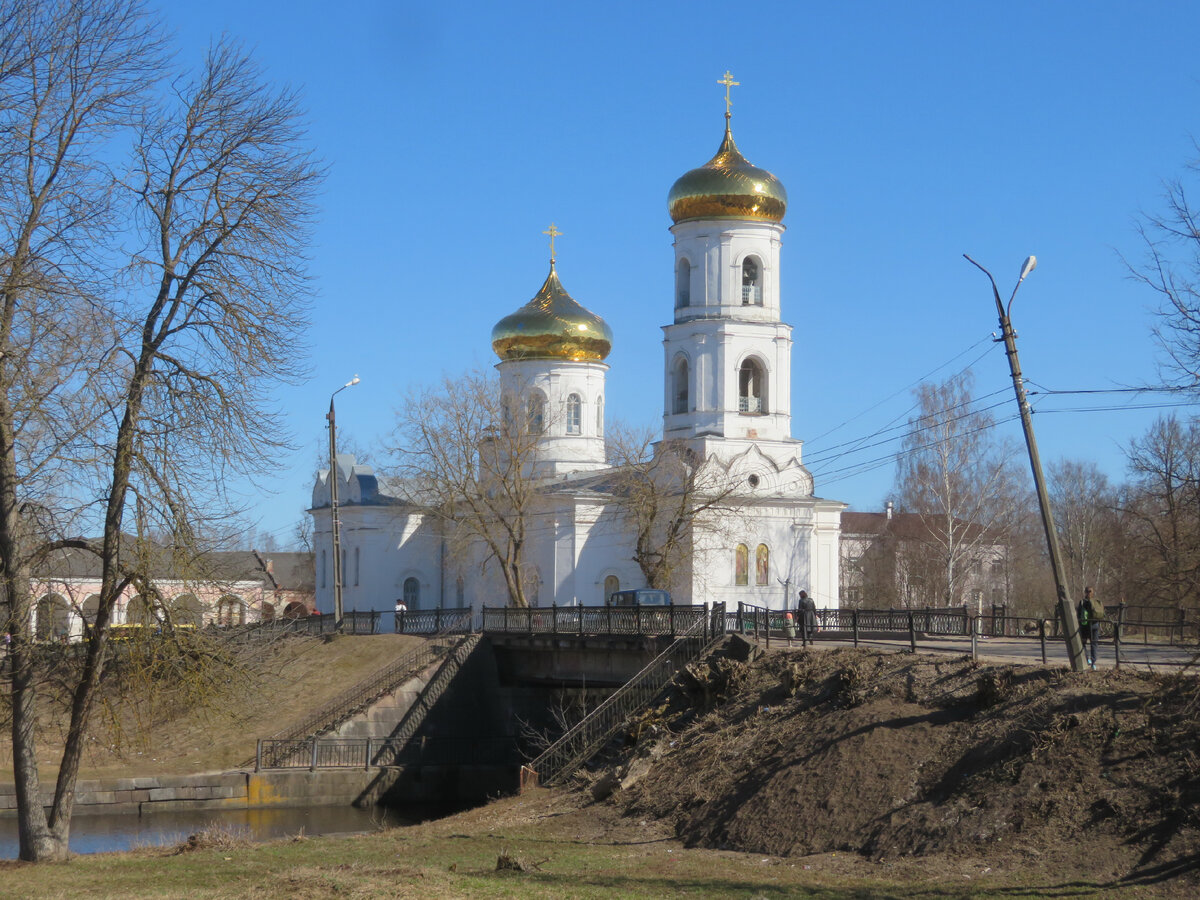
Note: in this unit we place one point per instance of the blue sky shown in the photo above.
(906, 135)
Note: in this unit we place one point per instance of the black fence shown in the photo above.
(671, 620)
(456, 620)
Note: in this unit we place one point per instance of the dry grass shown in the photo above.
(146, 733)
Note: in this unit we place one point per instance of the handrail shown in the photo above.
(590, 732)
(365, 691)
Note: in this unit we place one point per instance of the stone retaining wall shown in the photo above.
(219, 790)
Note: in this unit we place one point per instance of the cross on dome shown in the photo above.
(553, 232)
(728, 82)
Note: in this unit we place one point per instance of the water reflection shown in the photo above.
(107, 833)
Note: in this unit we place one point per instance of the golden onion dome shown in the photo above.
(728, 187)
(552, 326)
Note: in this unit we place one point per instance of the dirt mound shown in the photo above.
(889, 755)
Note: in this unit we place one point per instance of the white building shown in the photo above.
(726, 396)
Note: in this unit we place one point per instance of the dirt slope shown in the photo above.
(898, 755)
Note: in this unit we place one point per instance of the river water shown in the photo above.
(107, 833)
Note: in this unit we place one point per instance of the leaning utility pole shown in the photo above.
(1066, 609)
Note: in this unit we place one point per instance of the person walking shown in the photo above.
(1091, 613)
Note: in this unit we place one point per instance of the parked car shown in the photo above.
(640, 597)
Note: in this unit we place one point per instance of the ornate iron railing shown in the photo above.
(434, 621)
(670, 620)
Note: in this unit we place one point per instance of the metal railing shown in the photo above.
(362, 694)
(669, 620)
(434, 621)
(363, 753)
(589, 734)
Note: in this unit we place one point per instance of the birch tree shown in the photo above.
(954, 474)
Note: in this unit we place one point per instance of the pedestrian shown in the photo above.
(401, 609)
(789, 626)
(808, 613)
(1091, 613)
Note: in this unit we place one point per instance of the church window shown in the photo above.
(357, 566)
(535, 413)
(600, 415)
(460, 591)
(741, 565)
(324, 567)
(683, 283)
(612, 584)
(751, 282)
(574, 414)
(679, 387)
(752, 388)
(762, 564)
(412, 593)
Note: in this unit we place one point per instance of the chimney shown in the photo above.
(888, 510)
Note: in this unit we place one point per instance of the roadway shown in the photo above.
(1023, 651)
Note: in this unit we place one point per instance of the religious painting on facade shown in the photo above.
(762, 558)
(741, 565)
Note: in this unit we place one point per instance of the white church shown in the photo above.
(726, 397)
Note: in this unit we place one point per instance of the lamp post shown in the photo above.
(1070, 623)
(333, 507)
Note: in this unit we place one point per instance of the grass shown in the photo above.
(284, 681)
(567, 852)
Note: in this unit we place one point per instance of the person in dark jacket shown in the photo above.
(807, 607)
(1091, 613)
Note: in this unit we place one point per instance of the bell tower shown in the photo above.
(727, 353)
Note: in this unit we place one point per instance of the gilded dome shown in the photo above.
(728, 187)
(552, 326)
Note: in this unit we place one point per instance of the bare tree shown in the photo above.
(1163, 510)
(1084, 513)
(205, 316)
(467, 460)
(669, 496)
(1171, 268)
(954, 474)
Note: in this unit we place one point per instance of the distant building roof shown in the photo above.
(904, 526)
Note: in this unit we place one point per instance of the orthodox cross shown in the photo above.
(553, 232)
(728, 82)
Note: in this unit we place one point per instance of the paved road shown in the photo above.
(1029, 652)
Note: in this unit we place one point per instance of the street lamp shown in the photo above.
(1066, 609)
(333, 507)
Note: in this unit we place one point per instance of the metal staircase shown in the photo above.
(582, 740)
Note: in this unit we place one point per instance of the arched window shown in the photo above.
(751, 282)
(357, 562)
(187, 610)
(412, 593)
(139, 612)
(741, 565)
(324, 566)
(91, 606)
(679, 387)
(460, 591)
(600, 415)
(612, 584)
(752, 388)
(53, 619)
(683, 283)
(574, 414)
(535, 413)
(762, 564)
